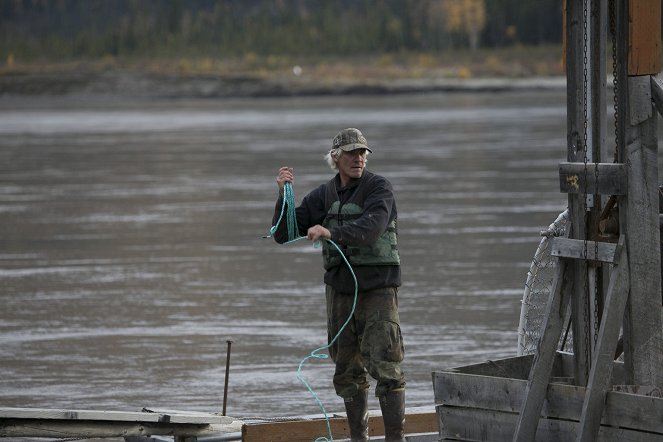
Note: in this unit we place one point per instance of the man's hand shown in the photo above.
(286, 175)
(316, 232)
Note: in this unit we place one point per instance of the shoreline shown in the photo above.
(155, 85)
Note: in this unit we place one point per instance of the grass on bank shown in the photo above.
(515, 62)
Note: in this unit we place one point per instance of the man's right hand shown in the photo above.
(286, 175)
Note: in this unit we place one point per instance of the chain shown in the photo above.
(597, 203)
(596, 304)
(615, 82)
(586, 172)
(584, 114)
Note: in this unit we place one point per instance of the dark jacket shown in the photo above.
(379, 210)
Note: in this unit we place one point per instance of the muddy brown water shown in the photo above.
(131, 244)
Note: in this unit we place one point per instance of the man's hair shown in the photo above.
(332, 155)
(335, 154)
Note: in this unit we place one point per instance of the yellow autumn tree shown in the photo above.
(465, 16)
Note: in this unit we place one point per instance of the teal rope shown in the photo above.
(293, 235)
(291, 215)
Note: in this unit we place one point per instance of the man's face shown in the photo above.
(351, 164)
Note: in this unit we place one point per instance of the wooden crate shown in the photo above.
(481, 402)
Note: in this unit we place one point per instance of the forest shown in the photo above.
(151, 29)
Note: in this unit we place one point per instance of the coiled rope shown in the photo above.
(288, 209)
(291, 215)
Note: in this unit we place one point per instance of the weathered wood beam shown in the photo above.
(168, 416)
(482, 425)
(563, 402)
(640, 99)
(657, 92)
(539, 377)
(643, 339)
(644, 37)
(82, 429)
(60, 423)
(304, 430)
(579, 138)
(518, 367)
(604, 351)
(578, 178)
(576, 249)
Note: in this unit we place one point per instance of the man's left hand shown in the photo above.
(316, 232)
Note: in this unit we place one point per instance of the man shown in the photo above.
(356, 210)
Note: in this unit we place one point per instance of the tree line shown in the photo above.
(65, 29)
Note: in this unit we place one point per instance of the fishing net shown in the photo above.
(538, 289)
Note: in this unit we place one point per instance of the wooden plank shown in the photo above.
(576, 249)
(517, 367)
(640, 103)
(574, 80)
(562, 402)
(41, 422)
(483, 425)
(657, 92)
(543, 360)
(301, 430)
(83, 429)
(643, 340)
(644, 57)
(576, 178)
(575, 105)
(124, 416)
(604, 351)
(644, 413)
(643, 390)
(487, 425)
(297, 431)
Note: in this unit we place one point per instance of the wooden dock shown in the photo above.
(420, 426)
(57, 424)
(183, 426)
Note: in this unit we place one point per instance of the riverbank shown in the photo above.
(141, 84)
(253, 76)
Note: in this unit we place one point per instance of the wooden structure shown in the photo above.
(420, 426)
(180, 426)
(80, 424)
(481, 402)
(610, 280)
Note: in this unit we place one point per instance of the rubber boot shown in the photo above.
(393, 415)
(356, 408)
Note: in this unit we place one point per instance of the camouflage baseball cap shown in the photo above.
(350, 139)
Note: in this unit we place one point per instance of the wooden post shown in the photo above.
(598, 274)
(539, 376)
(599, 377)
(643, 345)
(644, 35)
(639, 25)
(575, 69)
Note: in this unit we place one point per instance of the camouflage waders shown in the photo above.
(371, 342)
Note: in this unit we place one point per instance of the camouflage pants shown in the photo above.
(371, 343)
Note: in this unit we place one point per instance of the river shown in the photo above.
(132, 247)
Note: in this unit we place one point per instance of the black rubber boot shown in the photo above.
(357, 410)
(393, 415)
